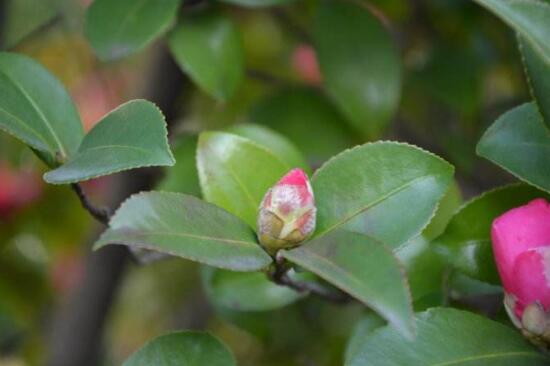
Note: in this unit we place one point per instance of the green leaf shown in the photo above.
(246, 291)
(273, 141)
(386, 190)
(131, 136)
(530, 18)
(466, 242)
(183, 349)
(359, 63)
(185, 226)
(446, 209)
(308, 119)
(235, 173)
(209, 49)
(362, 267)
(23, 17)
(520, 143)
(118, 28)
(257, 3)
(537, 70)
(37, 109)
(448, 337)
(183, 176)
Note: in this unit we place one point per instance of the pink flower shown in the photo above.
(287, 212)
(521, 244)
(304, 62)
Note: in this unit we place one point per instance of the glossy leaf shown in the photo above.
(183, 349)
(118, 28)
(247, 291)
(530, 18)
(386, 190)
(362, 267)
(308, 119)
(257, 3)
(183, 176)
(37, 109)
(448, 337)
(359, 63)
(209, 49)
(273, 141)
(466, 242)
(520, 143)
(235, 173)
(538, 74)
(185, 226)
(131, 136)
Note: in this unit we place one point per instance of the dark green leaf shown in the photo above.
(235, 173)
(364, 328)
(386, 190)
(257, 3)
(530, 18)
(538, 74)
(131, 136)
(24, 17)
(359, 63)
(209, 49)
(247, 291)
(466, 242)
(520, 143)
(362, 267)
(118, 28)
(183, 177)
(36, 108)
(273, 141)
(185, 226)
(448, 337)
(183, 349)
(308, 119)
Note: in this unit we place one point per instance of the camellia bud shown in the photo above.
(521, 244)
(287, 213)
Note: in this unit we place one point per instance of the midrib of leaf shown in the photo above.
(233, 242)
(488, 356)
(26, 126)
(374, 203)
(38, 111)
(115, 147)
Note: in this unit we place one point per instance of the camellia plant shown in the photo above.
(379, 224)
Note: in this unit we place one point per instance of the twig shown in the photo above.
(280, 276)
(101, 214)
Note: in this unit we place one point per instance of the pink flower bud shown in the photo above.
(521, 244)
(287, 212)
(304, 62)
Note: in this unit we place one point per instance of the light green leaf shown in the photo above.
(449, 204)
(37, 109)
(359, 63)
(537, 70)
(131, 136)
(466, 242)
(183, 349)
(448, 337)
(530, 18)
(183, 177)
(520, 143)
(209, 49)
(362, 267)
(273, 141)
(235, 173)
(251, 291)
(364, 328)
(307, 118)
(118, 28)
(386, 190)
(185, 226)
(257, 3)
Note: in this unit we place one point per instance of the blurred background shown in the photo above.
(60, 302)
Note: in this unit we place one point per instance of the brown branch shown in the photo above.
(280, 276)
(101, 214)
